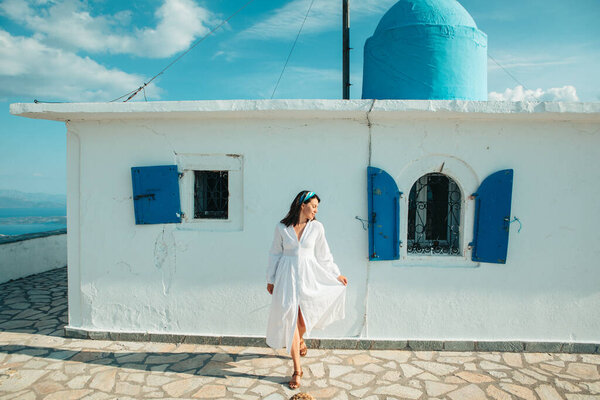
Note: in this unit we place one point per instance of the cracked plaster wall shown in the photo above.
(171, 278)
(548, 289)
(160, 278)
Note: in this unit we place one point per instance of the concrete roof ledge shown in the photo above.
(90, 111)
(305, 108)
(485, 107)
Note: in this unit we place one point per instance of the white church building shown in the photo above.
(460, 224)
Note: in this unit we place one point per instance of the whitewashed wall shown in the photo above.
(212, 282)
(549, 289)
(22, 258)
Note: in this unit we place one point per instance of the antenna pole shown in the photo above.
(346, 51)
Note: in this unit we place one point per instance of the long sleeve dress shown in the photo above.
(304, 277)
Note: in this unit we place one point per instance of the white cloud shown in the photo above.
(47, 64)
(69, 24)
(284, 22)
(565, 93)
(530, 62)
(229, 56)
(30, 68)
(181, 21)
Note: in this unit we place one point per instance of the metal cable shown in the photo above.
(505, 70)
(292, 49)
(133, 93)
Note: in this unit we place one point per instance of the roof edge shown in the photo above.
(301, 108)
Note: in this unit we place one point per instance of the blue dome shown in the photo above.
(425, 12)
(426, 50)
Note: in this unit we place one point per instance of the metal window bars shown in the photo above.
(434, 207)
(211, 194)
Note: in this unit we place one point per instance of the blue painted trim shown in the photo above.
(492, 218)
(156, 194)
(384, 215)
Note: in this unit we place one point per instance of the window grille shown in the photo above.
(211, 194)
(434, 216)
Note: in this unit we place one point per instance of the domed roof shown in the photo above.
(425, 12)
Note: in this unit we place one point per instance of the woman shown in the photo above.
(308, 290)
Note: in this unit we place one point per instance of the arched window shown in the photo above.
(434, 207)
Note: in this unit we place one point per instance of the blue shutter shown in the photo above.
(492, 218)
(384, 219)
(156, 194)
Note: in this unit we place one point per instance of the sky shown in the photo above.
(99, 50)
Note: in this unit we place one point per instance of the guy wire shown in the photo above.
(505, 70)
(133, 93)
(292, 49)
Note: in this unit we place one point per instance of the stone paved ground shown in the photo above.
(37, 362)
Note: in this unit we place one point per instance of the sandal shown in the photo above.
(303, 348)
(293, 384)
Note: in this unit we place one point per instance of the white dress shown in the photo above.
(305, 277)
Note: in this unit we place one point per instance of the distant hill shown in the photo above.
(16, 199)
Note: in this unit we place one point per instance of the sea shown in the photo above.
(19, 221)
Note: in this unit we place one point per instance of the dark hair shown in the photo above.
(292, 216)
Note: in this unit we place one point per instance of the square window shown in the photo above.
(211, 194)
(211, 187)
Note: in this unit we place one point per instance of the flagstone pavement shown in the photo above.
(38, 362)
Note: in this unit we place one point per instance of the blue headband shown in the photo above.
(306, 196)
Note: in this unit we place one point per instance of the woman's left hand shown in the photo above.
(343, 279)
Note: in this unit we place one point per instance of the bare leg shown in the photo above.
(301, 332)
(295, 382)
(300, 327)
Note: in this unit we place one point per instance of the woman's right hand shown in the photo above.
(270, 287)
